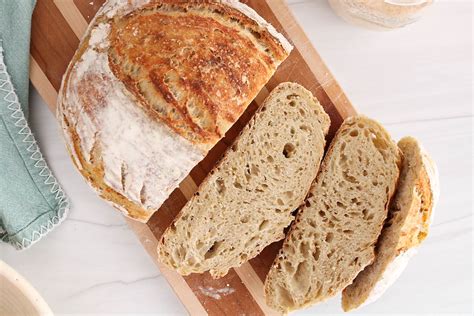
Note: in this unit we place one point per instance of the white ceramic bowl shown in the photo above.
(18, 297)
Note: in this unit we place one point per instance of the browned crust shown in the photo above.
(406, 225)
(222, 116)
(225, 57)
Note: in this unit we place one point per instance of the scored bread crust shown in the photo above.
(154, 85)
(247, 200)
(407, 225)
(333, 236)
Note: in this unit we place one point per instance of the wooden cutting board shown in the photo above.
(57, 27)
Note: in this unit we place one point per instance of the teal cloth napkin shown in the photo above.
(31, 200)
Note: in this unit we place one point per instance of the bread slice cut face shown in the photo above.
(406, 227)
(334, 234)
(248, 199)
(154, 85)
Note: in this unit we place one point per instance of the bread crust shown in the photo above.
(407, 226)
(142, 102)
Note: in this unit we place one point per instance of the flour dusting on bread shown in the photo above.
(131, 144)
(141, 103)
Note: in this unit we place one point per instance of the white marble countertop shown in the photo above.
(416, 81)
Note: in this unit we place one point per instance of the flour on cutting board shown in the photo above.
(214, 293)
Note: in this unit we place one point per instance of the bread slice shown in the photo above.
(334, 234)
(406, 226)
(248, 199)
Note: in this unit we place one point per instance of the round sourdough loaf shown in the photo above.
(380, 14)
(154, 85)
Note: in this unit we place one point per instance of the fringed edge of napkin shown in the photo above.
(24, 130)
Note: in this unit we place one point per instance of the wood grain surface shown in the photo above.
(56, 30)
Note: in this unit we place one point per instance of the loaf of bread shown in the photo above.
(154, 85)
(248, 199)
(380, 14)
(406, 227)
(334, 234)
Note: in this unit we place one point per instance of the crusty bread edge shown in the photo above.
(251, 13)
(395, 268)
(141, 214)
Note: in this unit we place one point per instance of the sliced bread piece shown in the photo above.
(334, 234)
(406, 226)
(248, 199)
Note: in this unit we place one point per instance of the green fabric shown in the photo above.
(31, 200)
(15, 26)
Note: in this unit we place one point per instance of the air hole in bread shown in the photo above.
(213, 250)
(348, 177)
(251, 242)
(331, 253)
(354, 133)
(302, 112)
(316, 253)
(322, 214)
(199, 245)
(305, 128)
(237, 185)
(244, 219)
(302, 277)
(304, 249)
(288, 150)
(292, 103)
(292, 131)
(343, 159)
(329, 237)
(255, 170)
(288, 267)
(355, 261)
(173, 227)
(263, 225)
(283, 295)
(220, 185)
